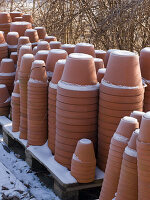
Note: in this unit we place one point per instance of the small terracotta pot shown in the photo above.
(55, 45)
(100, 54)
(98, 64)
(85, 48)
(100, 74)
(138, 115)
(7, 66)
(78, 67)
(144, 136)
(144, 60)
(20, 27)
(43, 45)
(69, 48)
(41, 32)
(32, 34)
(42, 55)
(27, 18)
(18, 19)
(50, 38)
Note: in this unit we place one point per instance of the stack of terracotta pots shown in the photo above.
(23, 41)
(68, 47)
(12, 41)
(3, 46)
(83, 162)
(42, 55)
(15, 14)
(52, 92)
(100, 54)
(15, 105)
(41, 32)
(43, 45)
(5, 21)
(100, 74)
(20, 27)
(128, 181)
(99, 64)
(118, 143)
(27, 18)
(33, 36)
(14, 57)
(85, 48)
(121, 92)
(37, 104)
(145, 70)
(4, 101)
(50, 38)
(143, 158)
(137, 115)
(18, 19)
(24, 74)
(7, 73)
(23, 50)
(76, 106)
(53, 56)
(55, 45)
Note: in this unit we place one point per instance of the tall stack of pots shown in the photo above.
(121, 92)
(12, 41)
(20, 27)
(5, 21)
(23, 40)
(33, 36)
(76, 106)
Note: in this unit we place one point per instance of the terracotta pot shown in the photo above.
(85, 48)
(25, 67)
(100, 54)
(42, 55)
(7, 66)
(144, 136)
(41, 32)
(27, 18)
(78, 67)
(98, 64)
(138, 115)
(50, 38)
(18, 19)
(15, 14)
(108, 55)
(43, 45)
(14, 57)
(109, 119)
(20, 27)
(55, 45)
(32, 34)
(2, 38)
(23, 41)
(69, 48)
(4, 95)
(144, 60)
(131, 69)
(5, 18)
(100, 74)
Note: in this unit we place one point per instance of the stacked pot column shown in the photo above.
(33, 36)
(15, 105)
(53, 56)
(76, 106)
(121, 92)
(5, 21)
(41, 32)
(4, 101)
(12, 41)
(128, 181)
(145, 70)
(52, 92)
(20, 27)
(143, 158)
(7, 73)
(117, 146)
(3, 47)
(37, 104)
(24, 74)
(23, 40)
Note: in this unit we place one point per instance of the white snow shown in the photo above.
(25, 46)
(146, 49)
(7, 60)
(12, 46)
(85, 141)
(4, 45)
(68, 45)
(15, 95)
(28, 55)
(13, 33)
(20, 23)
(39, 27)
(75, 87)
(102, 70)
(38, 62)
(55, 42)
(14, 53)
(49, 73)
(108, 84)
(52, 85)
(130, 152)
(85, 44)
(123, 53)
(136, 132)
(100, 51)
(43, 52)
(58, 51)
(24, 38)
(98, 60)
(80, 56)
(120, 138)
(8, 100)
(61, 61)
(42, 43)
(35, 81)
(147, 115)
(130, 119)
(31, 30)
(50, 37)
(2, 85)
(8, 74)
(137, 113)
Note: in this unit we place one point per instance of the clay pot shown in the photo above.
(15, 14)
(108, 55)
(43, 45)
(23, 41)
(100, 74)
(41, 32)
(85, 48)
(5, 18)
(42, 55)
(98, 64)
(33, 36)
(14, 57)
(27, 18)
(131, 69)
(138, 115)
(18, 19)
(50, 38)
(144, 136)
(144, 60)
(20, 27)
(69, 48)
(100, 54)
(4, 101)
(55, 45)
(83, 63)
(2, 38)
(53, 56)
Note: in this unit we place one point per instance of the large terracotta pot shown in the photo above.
(85, 48)
(20, 27)
(41, 32)
(69, 48)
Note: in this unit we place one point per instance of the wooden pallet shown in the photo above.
(65, 185)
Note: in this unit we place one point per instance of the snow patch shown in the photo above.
(85, 141)
(58, 51)
(102, 70)
(13, 33)
(4, 45)
(123, 53)
(130, 119)
(80, 56)
(8, 74)
(2, 85)
(100, 51)
(52, 85)
(85, 44)
(7, 60)
(68, 45)
(98, 60)
(35, 81)
(15, 95)
(49, 73)
(130, 152)
(55, 42)
(120, 138)
(43, 52)
(61, 61)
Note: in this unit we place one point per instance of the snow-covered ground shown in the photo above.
(32, 187)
